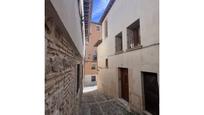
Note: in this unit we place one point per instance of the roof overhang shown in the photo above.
(109, 6)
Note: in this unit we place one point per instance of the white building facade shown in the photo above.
(128, 57)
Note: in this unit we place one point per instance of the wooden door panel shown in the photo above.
(151, 92)
(124, 84)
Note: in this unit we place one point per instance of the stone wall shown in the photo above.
(62, 97)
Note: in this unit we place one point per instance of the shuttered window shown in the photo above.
(133, 35)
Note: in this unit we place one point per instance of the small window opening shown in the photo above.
(93, 78)
(118, 42)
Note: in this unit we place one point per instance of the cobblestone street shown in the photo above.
(94, 103)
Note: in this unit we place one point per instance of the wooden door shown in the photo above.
(124, 84)
(151, 92)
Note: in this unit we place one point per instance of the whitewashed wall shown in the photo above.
(122, 14)
(69, 14)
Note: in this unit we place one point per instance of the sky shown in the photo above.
(98, 8)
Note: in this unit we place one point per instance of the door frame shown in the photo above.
(120, 83)
(143, 92)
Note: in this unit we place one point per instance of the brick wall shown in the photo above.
(61, 59)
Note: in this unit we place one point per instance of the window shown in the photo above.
(87, 40)
(97, 28)
(106, 28)
(86, 54)
(133, 35)
(89, 56)
(93, 66)
(118, 42)
(93, 78)
(78, 76)
(106, 63)
(95, 55)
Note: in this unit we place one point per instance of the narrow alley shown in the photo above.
(95, 103)
(102, 57)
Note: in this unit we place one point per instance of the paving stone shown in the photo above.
(99, 99)
(95, 103)
(95, 109)
(108, 97)
(108, 108)
(85, 109)
(88, 99)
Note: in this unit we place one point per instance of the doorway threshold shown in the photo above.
(146, 113)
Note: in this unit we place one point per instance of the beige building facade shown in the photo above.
(128, 57)
(91, 72)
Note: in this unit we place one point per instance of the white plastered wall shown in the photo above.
(68, 12)
(122, 14)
